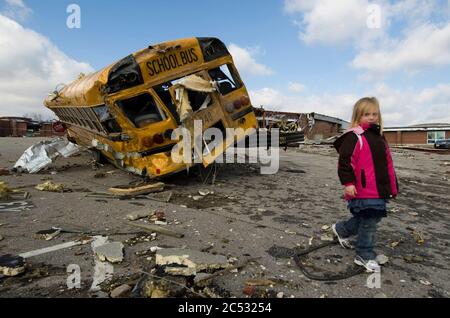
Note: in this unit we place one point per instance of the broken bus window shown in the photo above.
(141, 110)
(226, 79)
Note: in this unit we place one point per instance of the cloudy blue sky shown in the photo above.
(294, 55)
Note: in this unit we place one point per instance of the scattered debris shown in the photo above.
(249, 290)
(16, 206)
(197, 197)
(138, 190)
(418, 236)
(120, 291)
(327, 237)
(163, 287)
(159, 217)
(413, 258)
(12, 265)
(160, 196)
(140, 239)
(205, 192)
(1, 238)
(4, 172)
(5, 192)
(259, 282)
(47, 234)
(100, 175)
(382, 259)
(111, 252)
(425, 282)
(190, 261)
(138, 215)
(280, 295)
(53, 248)
(380, 295)
(41, 154)
(325, 228)
(413, 213)
(157, 229)
(395, 244)
(50, 187)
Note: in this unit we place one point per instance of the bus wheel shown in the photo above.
(98, 156)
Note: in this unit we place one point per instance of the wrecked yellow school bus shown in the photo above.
(127, 111)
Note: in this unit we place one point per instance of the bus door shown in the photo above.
(196, 99)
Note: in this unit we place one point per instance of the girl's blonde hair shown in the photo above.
(364, 105)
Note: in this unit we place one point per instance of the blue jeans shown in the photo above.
(365, 228)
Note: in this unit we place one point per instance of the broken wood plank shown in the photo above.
(140, 190)
(157, 229)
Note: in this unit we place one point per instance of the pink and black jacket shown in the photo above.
(366, 162)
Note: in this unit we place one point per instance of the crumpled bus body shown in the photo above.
(128, 110)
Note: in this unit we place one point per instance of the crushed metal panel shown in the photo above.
(41, 154)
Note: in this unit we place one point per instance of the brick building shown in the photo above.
(315, 126)
(423, 134)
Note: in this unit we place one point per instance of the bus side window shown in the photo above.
(226, 79)
(141, 110)
(106, 119)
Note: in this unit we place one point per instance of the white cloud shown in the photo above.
(17, 9)
(245, 61)
(425, 46)
(333, 22)
(296, 87)
(30, 67)
(399, 107)
(418, 43)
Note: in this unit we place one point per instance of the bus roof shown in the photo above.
(138, 68)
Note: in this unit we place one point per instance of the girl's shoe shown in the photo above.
(344, 242)
(370, 265)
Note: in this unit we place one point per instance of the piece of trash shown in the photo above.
(1, 238)
(413, 258)
(190, 261)
(249, 290)
(380, 295)
(259, 282)
(160, 196)
(16, 206)
(325, 228)
(11, 265)
(197, 197)
(138, 190)
(204, 192)
(43, 153)
(111, 252)
(157, 229)
(327, 238)
(310, 241)
(120, 291)
(5, 191)
(425, 282)
(47, 234)
(418, 236)
(382, 259)
(53, 248)
(395, 244)
(138, 215)
(280, 295)
(50, 187)
(413, 213)
(99, 175)
(158, 216)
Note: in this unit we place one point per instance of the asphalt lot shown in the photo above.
(247, 214)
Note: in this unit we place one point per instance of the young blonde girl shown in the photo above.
(366, 170)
